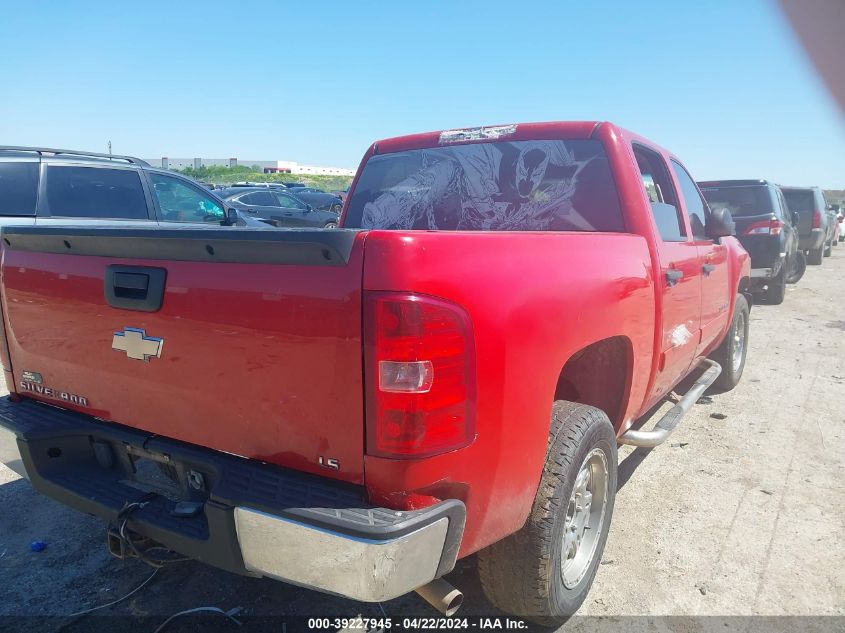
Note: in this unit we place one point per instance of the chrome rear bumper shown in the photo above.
(362, 569)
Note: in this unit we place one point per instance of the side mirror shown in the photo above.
(720, 223)
(796, 218)
(231, 217)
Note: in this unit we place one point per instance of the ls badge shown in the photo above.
(137, 344)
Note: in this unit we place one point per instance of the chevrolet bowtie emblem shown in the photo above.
(137, 344)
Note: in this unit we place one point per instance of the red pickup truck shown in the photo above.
(352, 410)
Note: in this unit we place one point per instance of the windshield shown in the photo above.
(496, 186)
(740, 201)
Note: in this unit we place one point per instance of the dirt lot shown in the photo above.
(741, 513)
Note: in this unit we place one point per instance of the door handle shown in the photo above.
(673, 276)
(138, 288)
(707, 269)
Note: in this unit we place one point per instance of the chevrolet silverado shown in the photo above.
(353, 410)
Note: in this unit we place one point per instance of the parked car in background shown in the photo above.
(279, 206)
(318, 199)
(340, 193)
(833, 215)
(814, 228)
(508, 303)
(44, 186)
(765, 227)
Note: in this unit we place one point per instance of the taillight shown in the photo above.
(817, 219)
(420, 375)
(769, 227)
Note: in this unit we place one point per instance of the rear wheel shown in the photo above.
(814, 256)
(544, 572)
(776, 290)
(797, 268)
(330, 225)
(828, 248)
(731, 353)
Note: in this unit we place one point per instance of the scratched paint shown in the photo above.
(680, 335)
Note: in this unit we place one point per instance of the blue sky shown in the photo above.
(725, 85)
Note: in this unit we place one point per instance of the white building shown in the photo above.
(268, 166)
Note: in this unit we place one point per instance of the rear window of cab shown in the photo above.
(555, 185)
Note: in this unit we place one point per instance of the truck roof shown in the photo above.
(510, 132)
(17, 150)
(733, 183)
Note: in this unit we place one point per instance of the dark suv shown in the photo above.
(766, 228)
(814, 228)
(52, 186)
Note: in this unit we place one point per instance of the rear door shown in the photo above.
(713, 261)
(680, 274)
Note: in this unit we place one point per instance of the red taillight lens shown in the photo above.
(420, 375)
(817, 219)
(769, 227)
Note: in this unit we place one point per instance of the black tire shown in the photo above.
(724, 354)
(797, 268)
(776, 290)
(842, 238)
(523, 573)
(814, 256)
(828, 248)
(330, 225)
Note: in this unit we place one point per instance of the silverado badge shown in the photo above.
(137, 344)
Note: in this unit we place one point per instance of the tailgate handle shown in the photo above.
(138, 288)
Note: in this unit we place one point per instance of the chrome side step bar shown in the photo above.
(663, 429)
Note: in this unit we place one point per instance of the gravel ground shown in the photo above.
(741, 513)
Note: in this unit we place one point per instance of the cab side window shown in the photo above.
(259, 199)
(95, 192)
(180, 202)
(661, 195)
(289, 202)
(696, 207)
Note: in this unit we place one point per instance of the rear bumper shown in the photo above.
(762, 273)
(812, 241)
(256, 519)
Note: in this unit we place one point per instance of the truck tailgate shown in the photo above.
(260, 336)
